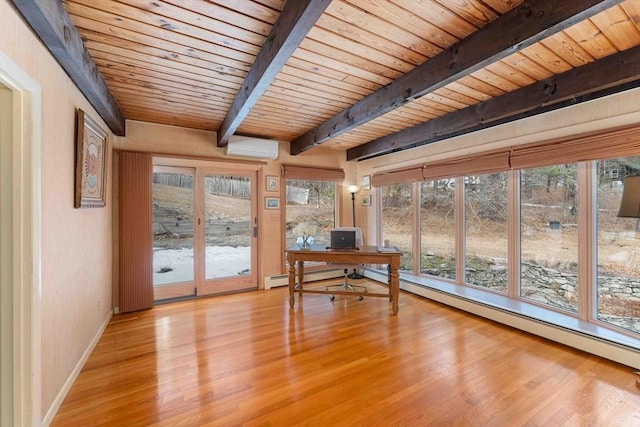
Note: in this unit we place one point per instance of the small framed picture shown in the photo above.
(91, 163)
(272, 183)
(366, 200)
(366, 182)
(271, 203)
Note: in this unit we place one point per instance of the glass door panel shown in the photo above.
(173, 232)
(229, 233)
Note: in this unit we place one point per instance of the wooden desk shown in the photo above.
(366, 255)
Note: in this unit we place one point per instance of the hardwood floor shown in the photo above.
(247, 359)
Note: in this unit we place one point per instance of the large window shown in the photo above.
(437, 228)
(397, 220)
(485, 207)
(311, 205)
(618, 273)
(549, 236)
(536, 224)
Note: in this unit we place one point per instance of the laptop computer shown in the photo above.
(343, 239)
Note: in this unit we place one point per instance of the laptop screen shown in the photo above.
(342, 239)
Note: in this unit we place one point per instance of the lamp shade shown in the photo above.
(630, 204)
(352, 189)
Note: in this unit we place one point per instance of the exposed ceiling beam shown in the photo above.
(295, 21)
(52, 24)
(523, 26)
(608, 75)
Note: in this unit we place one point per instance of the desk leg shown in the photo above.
(292, 284)
(394, 285)
(300, 274)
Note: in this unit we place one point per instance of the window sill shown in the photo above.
(523, 309)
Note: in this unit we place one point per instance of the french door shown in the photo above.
(228, 225)
(204, 231)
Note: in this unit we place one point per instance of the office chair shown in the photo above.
(346, 286)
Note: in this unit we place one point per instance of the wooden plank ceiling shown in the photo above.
(365, 76)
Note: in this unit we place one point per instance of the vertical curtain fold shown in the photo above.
(135, 231)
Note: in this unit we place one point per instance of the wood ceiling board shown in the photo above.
(147, 44)
(351, 60)
(360, 19)
(262, 10)
(617, 26)
(442, 17)
(192, 88)
(591, 39)
(541, 61)
(372, 40)
(337, 46)
(188, 92)
(153, 93)
(323, 61)
(632, 9)
(219, 37)
(512, 74)
(133, 59)
(139, 67)
(403, 17)
(459, 93)
(251, 17)
(304, 78)
(289, 106)
(471, 11)
(153, 99)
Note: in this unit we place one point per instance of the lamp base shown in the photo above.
(355, 275)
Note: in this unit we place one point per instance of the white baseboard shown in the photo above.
(571, 335)
(57, 402)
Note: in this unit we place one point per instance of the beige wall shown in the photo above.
(76, 243)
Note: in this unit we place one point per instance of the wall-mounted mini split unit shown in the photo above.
(257, 148)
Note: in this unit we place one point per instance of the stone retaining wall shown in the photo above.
(619, 295)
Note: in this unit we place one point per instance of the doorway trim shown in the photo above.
(25, 263)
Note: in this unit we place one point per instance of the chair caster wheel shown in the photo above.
(332, 297)
(361, 298)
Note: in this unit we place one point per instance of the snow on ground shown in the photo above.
(221, 261)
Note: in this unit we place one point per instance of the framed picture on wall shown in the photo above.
(366, 182)
(272, 183)
(366, 200)
(91, 163)
(271, 203)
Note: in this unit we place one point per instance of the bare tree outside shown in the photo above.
(549, 234)
(312, 202)
(397, 220)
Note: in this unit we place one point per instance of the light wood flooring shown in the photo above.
(247, 359)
